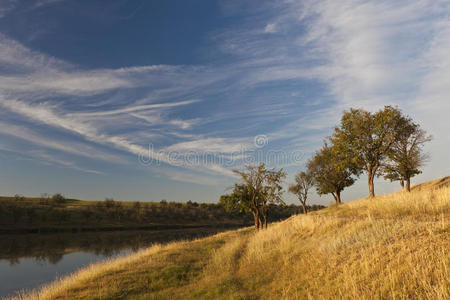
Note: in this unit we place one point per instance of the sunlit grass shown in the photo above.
(391, 247)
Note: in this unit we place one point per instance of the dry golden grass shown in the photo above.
(391, 247)
(433, 184)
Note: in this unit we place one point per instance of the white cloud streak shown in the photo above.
(212, 145)
(133, 109)
(46, 115)
(44, 157)
(72, 147)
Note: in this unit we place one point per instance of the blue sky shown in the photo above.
(151, 100)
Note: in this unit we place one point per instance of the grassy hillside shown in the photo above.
(394, 246)
(433, 184)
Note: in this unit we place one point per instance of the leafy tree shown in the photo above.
(241, 200)
(250, 191)
(271, 192)
(366, 138)
(260, 189)
(405, 155)
(331, 171)
(303, 182)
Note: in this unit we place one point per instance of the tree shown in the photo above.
(260, 189)
(250, 191)
(303, 182)
(271, 193)
(241, 200)
(366, 138)
(405, 155)
(331, 171)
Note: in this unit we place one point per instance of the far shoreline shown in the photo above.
(77, 229)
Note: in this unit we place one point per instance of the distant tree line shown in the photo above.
(57, 211)
(385, 143)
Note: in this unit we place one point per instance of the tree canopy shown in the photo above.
(332, 171)
(260, 188)
(406, 157)
(366, 138)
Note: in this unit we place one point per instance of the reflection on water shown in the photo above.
(29, 260)
(31, 273)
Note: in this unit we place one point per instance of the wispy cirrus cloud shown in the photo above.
(270, 28)
(40, 3)
(68, 146)
(138, 108)
(48, 116)
(6, 6)
(213, 145)
(42, 157)
(35, 76)
(51, 159)
(17, 58)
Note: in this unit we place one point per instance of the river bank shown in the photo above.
(29, 260)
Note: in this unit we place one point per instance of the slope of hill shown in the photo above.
(433, 184)
(394, 246)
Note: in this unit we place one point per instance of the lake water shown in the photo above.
(29, 260)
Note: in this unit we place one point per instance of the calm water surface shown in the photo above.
(29, 260)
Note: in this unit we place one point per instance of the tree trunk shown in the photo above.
(305, 211)
(408, 185)
(338, 197)
(264, 225)
(335, 197)
(402, 183)
(266, 216)
(371, 186)
(256, 220)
